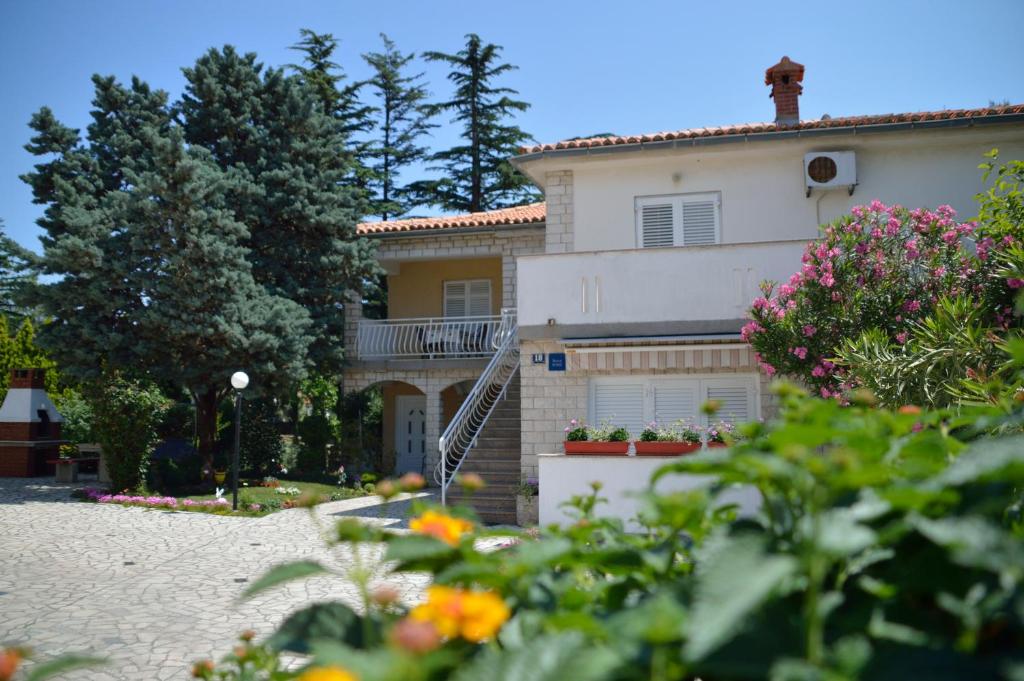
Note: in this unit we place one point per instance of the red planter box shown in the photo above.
(597, 448)
(665, 448)
(717, 445)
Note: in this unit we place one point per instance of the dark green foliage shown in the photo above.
(260, 450)
(477, 175)
(362, 422)
(188, 241)
(401, 118)
(318, 429)
(127, 413)
(78, 418)
(178, 421)
(15, 273)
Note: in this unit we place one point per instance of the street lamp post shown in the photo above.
(239, 381)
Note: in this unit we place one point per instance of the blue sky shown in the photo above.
(586, 66)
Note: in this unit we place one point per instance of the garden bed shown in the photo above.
(253, 499)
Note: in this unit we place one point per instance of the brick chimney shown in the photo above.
(784, 79)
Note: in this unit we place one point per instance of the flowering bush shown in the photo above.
(721, 432)
(887, 546)
(680, 431)
(288, 491)
(577, 431)
(883, 268)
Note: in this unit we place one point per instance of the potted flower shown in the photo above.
(720, 434)
(607, 440)
(680, 438)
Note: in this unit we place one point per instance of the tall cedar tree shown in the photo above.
(401, 118)
(340, 100)
(477, 174)
(185, 242)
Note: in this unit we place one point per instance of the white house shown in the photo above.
(624, 294)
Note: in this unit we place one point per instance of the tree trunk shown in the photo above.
(206, 417)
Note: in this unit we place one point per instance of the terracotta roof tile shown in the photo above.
(753, 128)
(519, 215)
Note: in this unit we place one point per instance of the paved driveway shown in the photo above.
(155, 590)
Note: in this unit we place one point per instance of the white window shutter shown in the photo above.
(455, 295)
(735, 398)
(700, 222)
(620, 404)
(674, 401)
(479, 298)
(657, 224)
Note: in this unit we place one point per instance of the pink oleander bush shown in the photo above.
(885, 268)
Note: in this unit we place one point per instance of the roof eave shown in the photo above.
(708, 140)
(444, 231)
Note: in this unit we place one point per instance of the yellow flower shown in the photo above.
(441, 526)
(473, 615)
(327, 674)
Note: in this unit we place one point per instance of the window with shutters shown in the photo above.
(469, 298)
(680, 220)
(633, 401)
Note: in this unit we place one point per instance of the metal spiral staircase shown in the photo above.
(464, 431)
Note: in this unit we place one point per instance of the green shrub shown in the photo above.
(77, 413)
(260, 448)
(888, 545)
(127, 413)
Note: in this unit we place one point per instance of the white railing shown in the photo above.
(427, 337)
(461, 434)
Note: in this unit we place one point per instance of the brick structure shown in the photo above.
(29, 426)
(784, 79)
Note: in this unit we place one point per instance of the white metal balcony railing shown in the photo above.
(427, 337)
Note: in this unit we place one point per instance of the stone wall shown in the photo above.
(558, 192)
(550, 399)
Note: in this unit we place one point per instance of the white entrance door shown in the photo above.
(410, 432)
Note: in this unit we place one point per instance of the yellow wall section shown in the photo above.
(418, 290)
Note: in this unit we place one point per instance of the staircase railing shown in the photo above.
(461, 434)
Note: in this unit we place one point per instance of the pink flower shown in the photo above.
(911, 306)
(950, 236)
(901, 337)
(827, 280)
(1015, 283)
(800, 352)
(749, 330)
(818, 371)
(768, 369)
(809, 330)
(892, 227)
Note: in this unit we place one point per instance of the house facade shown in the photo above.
(630, 286)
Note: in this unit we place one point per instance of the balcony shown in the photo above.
(655, 291)
(429, 337)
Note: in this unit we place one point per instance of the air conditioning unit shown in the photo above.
(830, 169)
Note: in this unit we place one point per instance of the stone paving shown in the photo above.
(155, 590)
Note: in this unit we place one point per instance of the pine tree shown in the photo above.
(401, 118)
(186, 247)
(15, 273)
(477, 173)
(302, 209)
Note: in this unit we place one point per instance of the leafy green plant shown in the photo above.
(887, 545)
(126, 415)
(680, 431)
(578, 431)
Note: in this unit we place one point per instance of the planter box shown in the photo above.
(665, 448)
(717, 445)
(597, 448)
